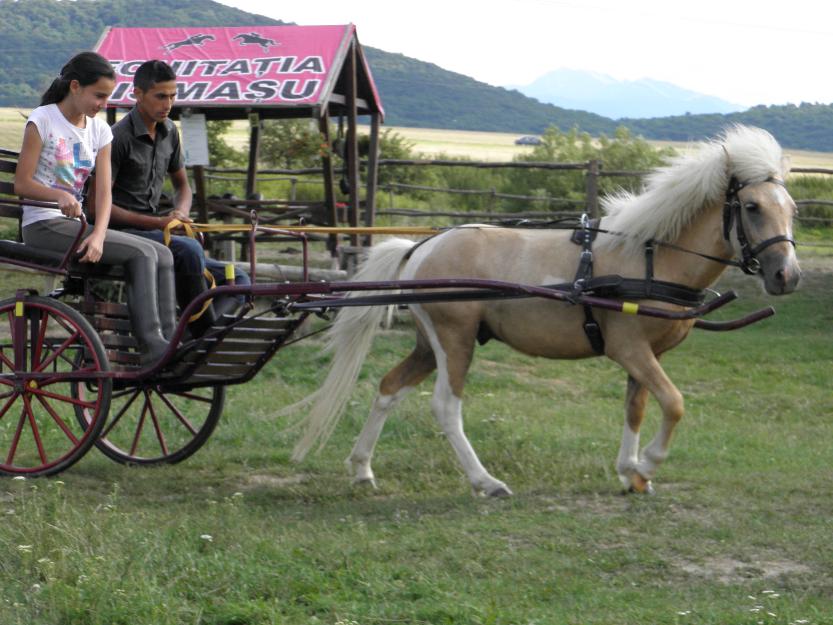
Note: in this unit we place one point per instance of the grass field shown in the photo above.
(738, 532)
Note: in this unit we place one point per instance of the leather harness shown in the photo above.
(617, 287)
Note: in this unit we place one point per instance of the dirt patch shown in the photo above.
(260, 480)
(730, 571)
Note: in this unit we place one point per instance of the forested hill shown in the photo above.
(38, 36)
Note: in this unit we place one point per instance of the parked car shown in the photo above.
(528, 140)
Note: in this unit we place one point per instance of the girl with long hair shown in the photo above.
(62, 143)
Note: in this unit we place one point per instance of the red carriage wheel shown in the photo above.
(46, 348)
(151, 424)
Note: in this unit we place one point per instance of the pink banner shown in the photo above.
(256, 65)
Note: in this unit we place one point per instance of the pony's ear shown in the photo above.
(786, 165)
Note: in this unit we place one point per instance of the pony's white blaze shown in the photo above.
(682, 204)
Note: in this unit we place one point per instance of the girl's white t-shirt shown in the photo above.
(67, 157)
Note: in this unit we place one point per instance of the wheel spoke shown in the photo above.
(159, 436)
(57, 353)
(8, 404)
(58, 420)
(121, 412)
(64, 398)
(140, 425)
(35, 431)
(182, 418)
(16, 438)
(192, 396)
(6, 361)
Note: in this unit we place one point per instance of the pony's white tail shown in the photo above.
(349, 339)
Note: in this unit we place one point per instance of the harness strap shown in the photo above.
(584, 275)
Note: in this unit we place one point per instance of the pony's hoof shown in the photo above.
(367, 482)
(500, 491)
(640, 485)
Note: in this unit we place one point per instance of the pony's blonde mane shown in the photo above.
(673, 195)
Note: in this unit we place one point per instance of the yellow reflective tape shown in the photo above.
(630, 308)
(18, 309)
(230, 273)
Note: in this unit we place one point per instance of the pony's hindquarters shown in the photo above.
(349, 339)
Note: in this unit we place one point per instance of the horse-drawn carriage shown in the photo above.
(71, 378)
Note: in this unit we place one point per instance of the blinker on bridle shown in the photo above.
(749, 262)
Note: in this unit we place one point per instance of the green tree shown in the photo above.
(291, 143)
(220, 152)
(622, 151)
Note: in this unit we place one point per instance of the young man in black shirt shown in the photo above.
(146, 150)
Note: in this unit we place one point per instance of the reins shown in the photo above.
(732, 215)
(650, 288)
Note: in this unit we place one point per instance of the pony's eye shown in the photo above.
(752, 207)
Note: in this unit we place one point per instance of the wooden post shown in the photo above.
(199, 191)
(251, 172)
(372, 176)
(254, 151)
(329, 177)
(352, 148)
(592, 179)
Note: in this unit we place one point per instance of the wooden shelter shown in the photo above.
(263, 72)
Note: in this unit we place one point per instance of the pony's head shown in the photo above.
(748, 160)
(758, 212)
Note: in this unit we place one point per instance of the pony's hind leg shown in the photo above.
(453, 348)
(392, 389)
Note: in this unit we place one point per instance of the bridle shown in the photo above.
(732, 214)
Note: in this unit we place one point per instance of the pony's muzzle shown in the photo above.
(781, 272)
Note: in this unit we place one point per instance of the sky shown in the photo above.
(747, 52)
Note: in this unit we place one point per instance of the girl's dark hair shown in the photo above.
(86, 68)
(152, 72)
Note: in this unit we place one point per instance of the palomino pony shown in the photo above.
(726, 200)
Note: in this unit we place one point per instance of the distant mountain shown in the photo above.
(38, 36)
(424, 95)
(606, 96)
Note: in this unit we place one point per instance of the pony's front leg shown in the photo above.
(627, 463)
(647, 375)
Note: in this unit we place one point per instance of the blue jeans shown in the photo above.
(189, 259)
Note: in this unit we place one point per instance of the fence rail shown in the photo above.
(593, 171)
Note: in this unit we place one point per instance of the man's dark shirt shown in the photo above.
(140, 165)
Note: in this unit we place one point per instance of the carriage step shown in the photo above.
(232, 353)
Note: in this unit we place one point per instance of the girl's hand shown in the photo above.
(93, 245)
(68, 205)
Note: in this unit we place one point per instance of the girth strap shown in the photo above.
(617, 287)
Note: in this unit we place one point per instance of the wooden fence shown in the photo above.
(593, 172)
